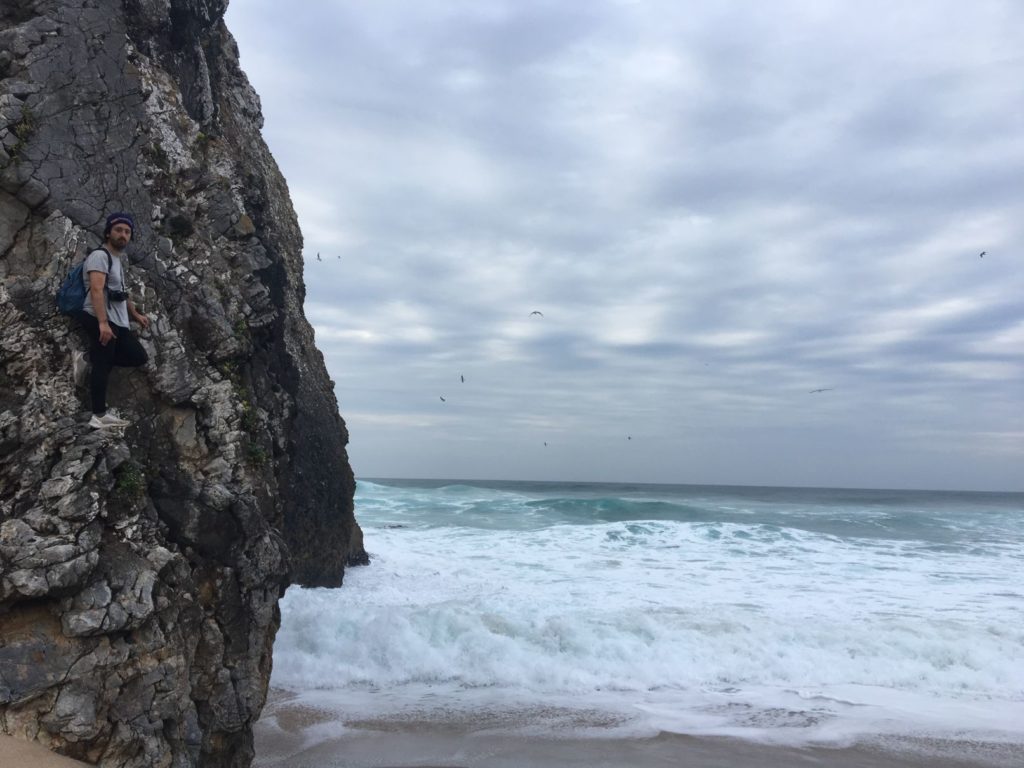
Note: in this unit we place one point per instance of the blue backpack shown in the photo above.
(71, 296)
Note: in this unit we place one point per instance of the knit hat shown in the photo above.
(119, 218)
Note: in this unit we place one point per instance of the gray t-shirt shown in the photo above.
(117, 311)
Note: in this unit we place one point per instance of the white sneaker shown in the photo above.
(80, 366)
(108, 419)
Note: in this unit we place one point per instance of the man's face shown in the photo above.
(120, 234)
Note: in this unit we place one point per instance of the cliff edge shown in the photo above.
(140, 571)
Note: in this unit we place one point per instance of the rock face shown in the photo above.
(140, 571)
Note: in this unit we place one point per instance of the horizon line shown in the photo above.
(468, 480)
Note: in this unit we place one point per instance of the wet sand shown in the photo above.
(296, 735)
(411, 750)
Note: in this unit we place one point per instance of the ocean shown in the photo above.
(787, 616)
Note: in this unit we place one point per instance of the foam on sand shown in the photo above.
(301, 729)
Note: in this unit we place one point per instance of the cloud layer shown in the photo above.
(717, 210)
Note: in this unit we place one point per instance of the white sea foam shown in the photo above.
(694, 627)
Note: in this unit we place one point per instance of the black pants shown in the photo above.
(124, 351)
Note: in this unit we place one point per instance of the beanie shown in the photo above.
(118, 218)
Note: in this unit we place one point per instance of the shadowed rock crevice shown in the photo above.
(140, 572)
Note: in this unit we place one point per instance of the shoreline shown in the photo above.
(458, 750)
(297, 734)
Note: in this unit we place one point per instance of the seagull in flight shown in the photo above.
(536, 312)
(823, 389)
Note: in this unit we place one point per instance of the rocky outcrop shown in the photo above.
(140, 571)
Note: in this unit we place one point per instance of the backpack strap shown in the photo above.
(110, 266)
(110, 263)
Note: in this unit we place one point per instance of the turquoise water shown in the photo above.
(806, 615)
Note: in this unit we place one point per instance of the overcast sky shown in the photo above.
(717, 207)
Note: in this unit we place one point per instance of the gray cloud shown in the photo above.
(716, 209)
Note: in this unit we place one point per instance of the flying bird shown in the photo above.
(982, 254)
(462, 378)
(318, 256)
(536, 312)
(443, 400)
(825, 389)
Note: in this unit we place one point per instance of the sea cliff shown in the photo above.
(140, 570)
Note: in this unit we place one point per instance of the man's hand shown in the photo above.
(137, 316)
(106, 333)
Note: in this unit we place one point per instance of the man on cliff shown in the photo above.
(105, 318)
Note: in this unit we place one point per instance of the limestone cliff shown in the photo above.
(140, 572)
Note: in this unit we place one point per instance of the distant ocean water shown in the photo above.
(781, 614)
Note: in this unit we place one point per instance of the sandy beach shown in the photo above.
(296, 735)
(17, 753)
(419, 750)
